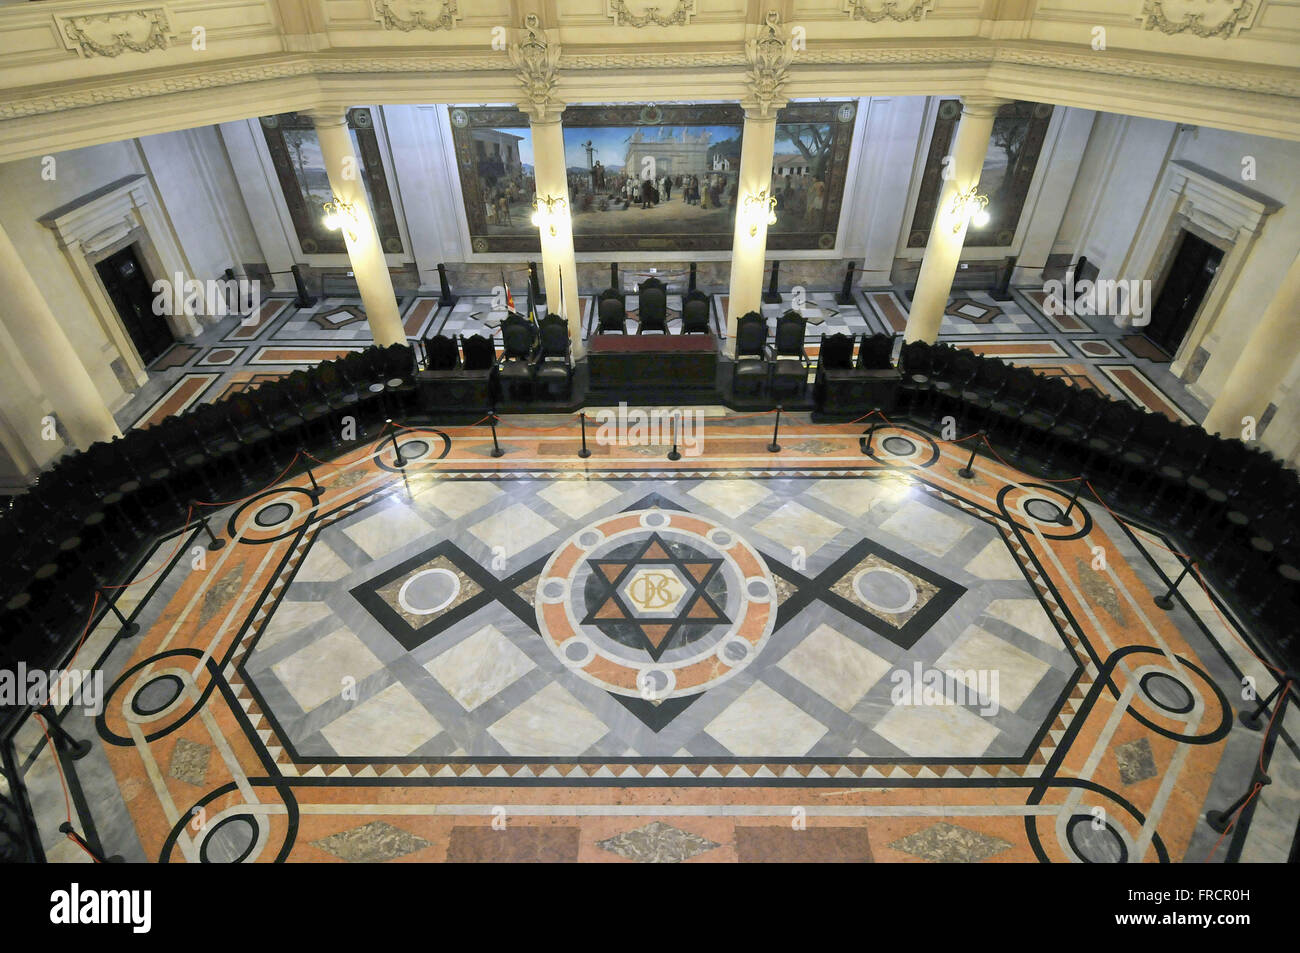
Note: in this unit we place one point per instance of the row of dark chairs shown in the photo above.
(536, 360)
(652, 310)
(1236, 506)
(77, 527)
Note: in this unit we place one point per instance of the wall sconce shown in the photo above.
(969, 206)
(755, 206)
(548, 211)
(341, 215)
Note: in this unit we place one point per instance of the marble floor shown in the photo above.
(739, 656)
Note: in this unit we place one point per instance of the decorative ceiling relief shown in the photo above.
(1204, 18)
(112, 34)
(769, 54)
(622, 15)
(408, 15)
(873, 11)
(536, 59)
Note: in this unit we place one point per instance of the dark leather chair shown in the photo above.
(875, 352)
(441, 353)
(652, 306)
(611, 312)
(515, 366)
(553, 367)
(790, 363)
(695, 313)
(751, 354)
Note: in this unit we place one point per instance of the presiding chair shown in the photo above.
(553, 368)
(790, 364)
(652, 306)
(751, 354)
(514, 369)
(611, 312)
(695, 313)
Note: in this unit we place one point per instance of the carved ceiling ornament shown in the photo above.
(535, 59)
(769, 54)
(618, 11)
(114, 33)
(874, 12)
(1203, 18)
(408, 15)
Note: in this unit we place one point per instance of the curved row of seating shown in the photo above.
(78, 527)
(1235, 507)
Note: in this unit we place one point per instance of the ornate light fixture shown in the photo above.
(548, 211)
(341, 215)
(969, 206)
(755, 206)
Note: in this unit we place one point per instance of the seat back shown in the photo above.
(611, 314)
(652, 305)
(554, 338)
(791, 331)
(751, 335)
(875, 352)
(695, 313)
(836, 352)
(441, 353)
(518, 337)
(480, 352)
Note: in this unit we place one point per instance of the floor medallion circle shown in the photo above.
(885, 590)
(898, 446)
(658, 593)
(273, 514)
(428, 592)
(157, 695)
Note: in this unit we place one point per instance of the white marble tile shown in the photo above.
(731, 497)
(925, 527)
(1027, 615)
(478, 667)
(514, 529)
(291, 617)
(994, 561)
(934, 731)
(550, 723)
(389, 529)
(793, 525)
(391, 723)
(977, 650)
(315, 673)
(762, 722)
(457, 498)
(577, 498)
(835, 667)
(321, 565)
(859, 497)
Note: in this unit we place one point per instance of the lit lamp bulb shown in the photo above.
(332, 221)
(980, 218)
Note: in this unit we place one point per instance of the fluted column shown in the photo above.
(948, 231)
(43, 346)
(1262, 364)
(749, 244)
(365, 252)
(558, 264)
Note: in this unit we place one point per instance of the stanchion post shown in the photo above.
(968, 471)
(496, 447)
(66, 828)
(1220, 821)
(867, 449)
(1064, 518)
(775, 447)
(1254, 720)
(128, 628)
(538, 296)
(1166, 600)
(771, 295)
(398, 459)
(690, 283)
(444, 288)
(584, 453)
(74, 749)
(846, 291)
(315, 487)
(673, 454)
(213, 543)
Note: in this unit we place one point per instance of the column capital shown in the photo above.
(535, 55)
(327, 116)
(983, 106)
(769, 52)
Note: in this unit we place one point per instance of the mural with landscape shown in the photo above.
(653, 177)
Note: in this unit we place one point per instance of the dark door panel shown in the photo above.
(131, 292)
(1193, 268)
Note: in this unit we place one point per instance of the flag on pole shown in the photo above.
(510, 299)
(532, 309)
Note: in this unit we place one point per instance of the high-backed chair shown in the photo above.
(611, 312)
(514, 368)
(875, 352)
(790, 364)
(553, 367)
(751, 354)
(480, 353)
(441, 353)
(652, 306)
(695, 313)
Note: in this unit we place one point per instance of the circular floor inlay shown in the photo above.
(1093, 844)
(1044, 510)
(157, 694)
(885, 589)
(230, 840)
(898, 446)
(273, 515)
(414, 449)
(1167, 692)
(428, 592)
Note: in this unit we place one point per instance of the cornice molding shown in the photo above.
(536, 58)
(622, 15)
(1190, 76)
(1203, 18)
(875, 12)
(113, 33)
(387, 12)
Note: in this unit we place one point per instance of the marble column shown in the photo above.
(948, 231)
(749, 244)
(558, 265)
(1263, 363)
(365, 252)
(40, 342)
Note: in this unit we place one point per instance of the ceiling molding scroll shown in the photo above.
(874, 12)
(113, 33)
(769, 53)
(1203, 18)
(536, 58)
(622, 15)
(416, 17)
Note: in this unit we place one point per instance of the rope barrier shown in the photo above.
(63, 783)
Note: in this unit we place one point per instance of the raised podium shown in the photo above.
(660, 368)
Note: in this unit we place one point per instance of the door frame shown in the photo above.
(1214, 208)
